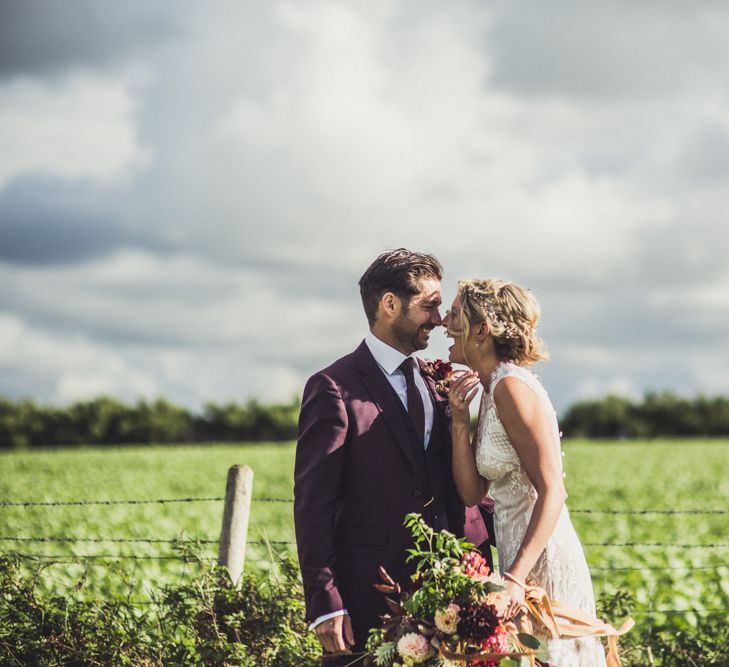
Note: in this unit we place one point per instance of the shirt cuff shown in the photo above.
(326, 617)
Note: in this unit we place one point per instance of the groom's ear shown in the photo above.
(390, 304)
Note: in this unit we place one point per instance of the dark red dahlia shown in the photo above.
(442, 373)
(442, 369)
(478, 623)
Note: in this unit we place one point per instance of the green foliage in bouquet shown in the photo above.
(440, 573)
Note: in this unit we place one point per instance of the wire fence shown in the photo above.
(53, 503)
(105, 558)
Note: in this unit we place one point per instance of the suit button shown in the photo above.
(417, 493)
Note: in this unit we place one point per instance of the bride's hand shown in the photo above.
(460, 394)
(515, 595)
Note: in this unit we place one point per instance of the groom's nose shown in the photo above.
(436, 319)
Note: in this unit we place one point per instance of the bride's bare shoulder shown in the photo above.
(513, 396)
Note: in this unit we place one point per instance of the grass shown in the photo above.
(659, 475)
(142, 473)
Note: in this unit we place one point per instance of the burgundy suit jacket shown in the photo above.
(359, 470)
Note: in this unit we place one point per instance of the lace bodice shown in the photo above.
(561, 568)
(499, 459)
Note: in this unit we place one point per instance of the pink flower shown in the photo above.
(474, 564)
(414, 646)
(496, 643)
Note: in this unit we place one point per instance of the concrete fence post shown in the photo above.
(234, 534)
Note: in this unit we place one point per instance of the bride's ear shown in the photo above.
(484, 329)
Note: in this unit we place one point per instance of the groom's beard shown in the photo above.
(409, 335)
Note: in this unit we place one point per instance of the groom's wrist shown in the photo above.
(325, 617)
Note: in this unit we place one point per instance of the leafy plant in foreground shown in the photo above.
(205, 621)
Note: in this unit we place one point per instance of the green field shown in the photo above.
(665, 475)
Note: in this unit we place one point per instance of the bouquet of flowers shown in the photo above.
(442, 373)
(454, 614)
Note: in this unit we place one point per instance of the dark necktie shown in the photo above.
(416, 411)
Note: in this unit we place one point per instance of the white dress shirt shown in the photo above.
(389, 360)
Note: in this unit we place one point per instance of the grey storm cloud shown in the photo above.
(42, 38)
(46, 220)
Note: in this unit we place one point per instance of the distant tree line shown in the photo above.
(105, 421)
(657, 415)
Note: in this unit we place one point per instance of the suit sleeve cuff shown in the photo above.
(326, 617)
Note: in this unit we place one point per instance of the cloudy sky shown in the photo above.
(190, 191)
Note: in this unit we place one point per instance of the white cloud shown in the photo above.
(71, 367)
(76, 127)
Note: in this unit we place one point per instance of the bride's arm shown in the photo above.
(530, 434)
(470, 485)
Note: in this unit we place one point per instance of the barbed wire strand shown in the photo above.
(30, 503)
(717, 545)
(642, 512)
(658, 569)
(151, 501)
(122, 540)
(63, 503)
(77, 558)
(131, 540)
(149, 540)
(650, 612)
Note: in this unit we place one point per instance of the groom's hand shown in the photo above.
(335, 635)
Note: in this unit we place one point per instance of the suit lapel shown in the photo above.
(387, 402)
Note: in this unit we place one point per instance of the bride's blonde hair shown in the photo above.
(512, 313)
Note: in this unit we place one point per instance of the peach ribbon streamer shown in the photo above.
(576, 622)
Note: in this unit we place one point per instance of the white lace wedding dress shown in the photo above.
(561, 568)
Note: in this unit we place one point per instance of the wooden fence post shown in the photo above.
(238, 492)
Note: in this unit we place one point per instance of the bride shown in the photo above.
(515, 455)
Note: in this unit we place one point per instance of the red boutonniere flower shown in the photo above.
(442, 373)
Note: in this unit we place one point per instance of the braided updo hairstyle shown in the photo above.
(511, 311)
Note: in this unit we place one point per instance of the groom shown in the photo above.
(374, 445)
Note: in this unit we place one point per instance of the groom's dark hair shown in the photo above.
(397, 271)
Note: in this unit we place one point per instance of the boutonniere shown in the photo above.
(442, 373)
